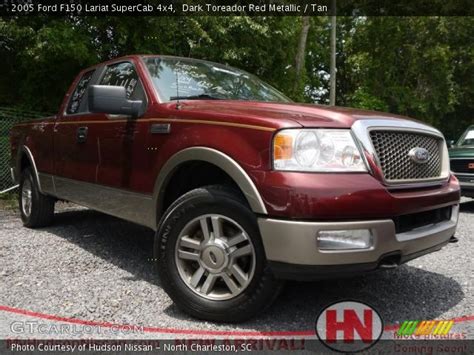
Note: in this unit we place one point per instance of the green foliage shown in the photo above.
(41, 58)
(417, 66)
(363, 99)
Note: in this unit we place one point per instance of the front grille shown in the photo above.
(392, 148)
(462, 166)
(408, 222)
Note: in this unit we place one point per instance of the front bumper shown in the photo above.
(293, 245)
(466, 182)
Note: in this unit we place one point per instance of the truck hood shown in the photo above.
(461, 152)
(306, 115)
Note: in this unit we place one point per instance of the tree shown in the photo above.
(416, 66)
(332, 89)
(301, 53)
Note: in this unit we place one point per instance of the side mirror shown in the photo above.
(113, 100)
(450, 143)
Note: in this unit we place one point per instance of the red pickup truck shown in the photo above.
(243, 187)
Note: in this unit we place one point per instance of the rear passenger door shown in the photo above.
(122, 142)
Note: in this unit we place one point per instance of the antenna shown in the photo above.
(178, 104)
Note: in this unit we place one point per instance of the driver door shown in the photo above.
(121, 144)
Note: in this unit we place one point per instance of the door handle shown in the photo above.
(81, 134)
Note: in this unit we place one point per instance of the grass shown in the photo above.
(9, 201)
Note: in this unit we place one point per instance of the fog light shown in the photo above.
(345, 239)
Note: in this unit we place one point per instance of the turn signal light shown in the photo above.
(282, 147)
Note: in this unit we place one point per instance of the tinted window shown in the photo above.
(195, 79)
(78, 94)
(467, 138)
(124, 74)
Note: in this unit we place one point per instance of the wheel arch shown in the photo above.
(26, 159)
(212, 156)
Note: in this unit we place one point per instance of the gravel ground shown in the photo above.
(95, 267)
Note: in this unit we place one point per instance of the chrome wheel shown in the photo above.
(215, 257)
(26, 197)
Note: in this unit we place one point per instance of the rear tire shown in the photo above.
(36, 209)
(211, 259)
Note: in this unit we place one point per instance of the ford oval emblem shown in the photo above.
(419, 155)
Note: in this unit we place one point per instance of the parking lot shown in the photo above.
(93, 267)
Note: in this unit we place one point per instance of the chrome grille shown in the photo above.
(392, 148)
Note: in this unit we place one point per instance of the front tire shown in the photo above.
(36, 209)
(211, 259)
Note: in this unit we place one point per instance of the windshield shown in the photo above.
(467, 139)
(182, 78)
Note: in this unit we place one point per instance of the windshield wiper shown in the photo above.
(194, 97)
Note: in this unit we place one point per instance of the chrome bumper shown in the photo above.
(294, 242)
(465, 180)
(466, 184)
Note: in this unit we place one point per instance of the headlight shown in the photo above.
(323, 150)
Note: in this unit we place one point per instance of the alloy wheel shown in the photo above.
(215, 257)
(26, 197)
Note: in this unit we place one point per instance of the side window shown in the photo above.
(78, 95)
(124, 74)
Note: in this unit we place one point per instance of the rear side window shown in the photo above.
(124, 74)
(78, 95)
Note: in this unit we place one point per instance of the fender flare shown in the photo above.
(27, 152)
(217, 158)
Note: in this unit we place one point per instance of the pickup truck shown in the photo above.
(244, 188)
(461, 154)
